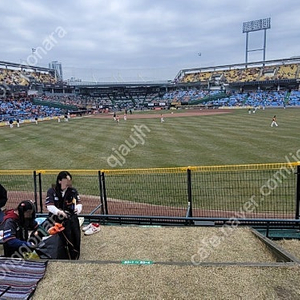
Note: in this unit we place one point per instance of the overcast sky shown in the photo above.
(129, 40)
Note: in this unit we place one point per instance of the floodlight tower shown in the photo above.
(261, 24)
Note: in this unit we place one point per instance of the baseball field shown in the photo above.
(237, 266)
(185, 138)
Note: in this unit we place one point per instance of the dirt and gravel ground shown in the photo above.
(100, 273)
(166, 113)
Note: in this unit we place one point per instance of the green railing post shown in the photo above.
(104, 192)
(101, 192)
(100, 206)
(35, 190)
(189, 191)
(41, 193)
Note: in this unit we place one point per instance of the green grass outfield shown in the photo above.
(91, 143)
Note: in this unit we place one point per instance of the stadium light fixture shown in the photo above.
(256, 25)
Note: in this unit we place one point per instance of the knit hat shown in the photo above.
(25, 206)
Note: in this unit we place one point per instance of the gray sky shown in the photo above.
(129, 40)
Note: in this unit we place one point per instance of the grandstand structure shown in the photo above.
(272, 74)
(21, 78)
(223, 85)
(267, 75)
(194, 84)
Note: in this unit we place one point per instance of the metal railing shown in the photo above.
(231, 192)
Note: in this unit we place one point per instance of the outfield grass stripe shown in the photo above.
(87, 143)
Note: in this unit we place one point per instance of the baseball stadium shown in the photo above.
(194, 182)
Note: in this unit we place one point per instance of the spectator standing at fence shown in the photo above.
(3, 200)
(17, 223)
(64, 205)
(274, 122)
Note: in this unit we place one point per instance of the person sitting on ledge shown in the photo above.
(17, 223)
(64, 204)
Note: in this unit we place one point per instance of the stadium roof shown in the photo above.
(119, 84)
(23, 66)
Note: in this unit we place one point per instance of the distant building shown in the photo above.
(55, 65)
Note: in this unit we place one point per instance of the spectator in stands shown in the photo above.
(64, 205)
(17, 223)
(3, 200)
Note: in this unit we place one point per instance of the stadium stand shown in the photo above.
(24, 109)
(27, 92)
(24, 78)
(246, 74)
(287, 71)
(277, 70)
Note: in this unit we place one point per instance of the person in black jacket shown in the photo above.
(17, 223)
(64, 205)
(3, 200)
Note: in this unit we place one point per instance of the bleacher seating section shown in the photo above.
(24, 78)
(22, 108)
(250, 74)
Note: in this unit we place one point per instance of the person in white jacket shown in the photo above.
(64, 205)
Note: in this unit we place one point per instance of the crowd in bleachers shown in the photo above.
(76, 100)
(256, 99)
(13, 77)
(260, 99)
(12, 109)
(42, 77)
(23, 108)
(282, 71)
(68, 99)
(182, 95)
(24, 77)
(246, 74)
